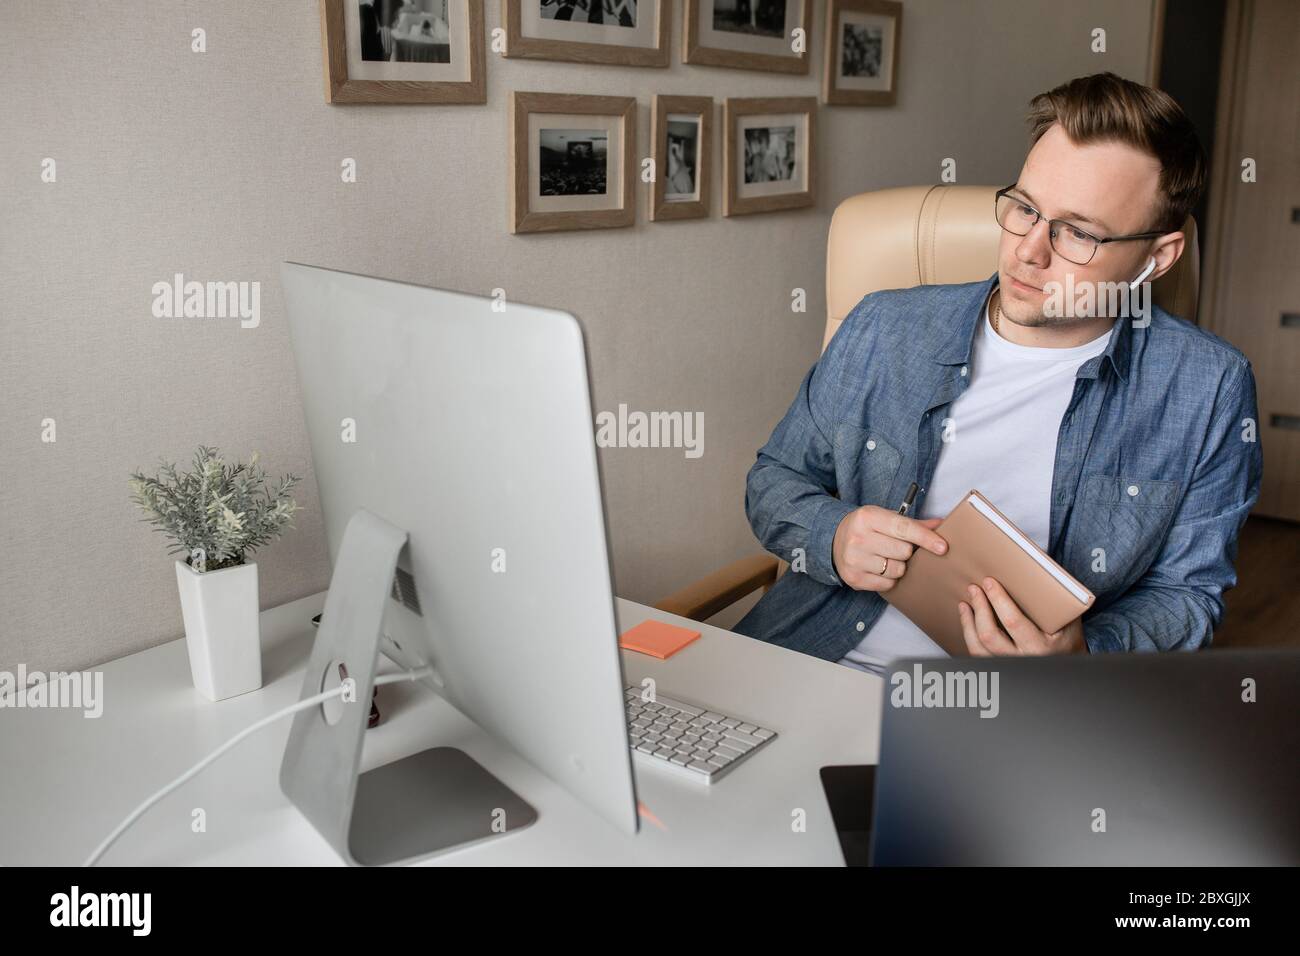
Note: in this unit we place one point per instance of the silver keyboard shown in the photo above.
(686, 740)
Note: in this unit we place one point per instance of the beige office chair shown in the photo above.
(896, 239)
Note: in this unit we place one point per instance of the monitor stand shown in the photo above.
(427, 803)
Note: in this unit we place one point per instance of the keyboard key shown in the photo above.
(699, 766)
(747, 728)
(663, 753)
(744, 738)
(712, 717)
(762, 733)
(688, 708)
(679, 760)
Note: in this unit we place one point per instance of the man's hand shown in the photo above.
(992, 605)
(872, 546)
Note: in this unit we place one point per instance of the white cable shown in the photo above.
(139, 811)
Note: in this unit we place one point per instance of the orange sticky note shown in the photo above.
(657, 639)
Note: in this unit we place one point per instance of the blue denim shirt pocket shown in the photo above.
(865, 464)
(1118, 528)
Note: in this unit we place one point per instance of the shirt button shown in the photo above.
(1132, 491)
(964, 370)
(861, 626)
(871, 444)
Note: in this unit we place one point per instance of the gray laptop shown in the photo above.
(1116, 759)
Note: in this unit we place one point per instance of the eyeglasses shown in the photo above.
(1070, 242)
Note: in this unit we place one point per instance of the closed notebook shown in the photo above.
(982, 543)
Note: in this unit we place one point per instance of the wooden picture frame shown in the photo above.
(700, 43)
(587, 51)
(528, 191)
(878, 84)
(734, 186)
(401, 85)
(663, 208)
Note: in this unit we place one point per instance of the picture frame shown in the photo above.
(681, 129)
(538, 34)
(577, 169)
(768, 141)
(860, 66)
(366, 62)
(714, 35)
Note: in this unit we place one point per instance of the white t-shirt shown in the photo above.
(1002, 441)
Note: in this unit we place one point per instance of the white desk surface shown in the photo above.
(68, 780)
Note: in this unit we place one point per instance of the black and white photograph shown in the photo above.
(748, 34)
(769, 154)
(861, 49)
(683, 158)
(609, 32)
(573, 162)
(861, 65)
(681, 150)
(403, 51)
(404, 31)
(618, 13)
(765, 18)
(768, 159)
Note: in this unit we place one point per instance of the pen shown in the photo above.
(907, 502)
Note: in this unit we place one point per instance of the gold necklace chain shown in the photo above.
(997, 314)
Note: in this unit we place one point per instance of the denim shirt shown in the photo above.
(1157, 465)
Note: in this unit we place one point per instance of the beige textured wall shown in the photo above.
(221, 165)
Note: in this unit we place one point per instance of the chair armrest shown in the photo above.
(706, 597)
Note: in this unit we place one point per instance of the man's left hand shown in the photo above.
(993, 624)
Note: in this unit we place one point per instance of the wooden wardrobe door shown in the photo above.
(1253, 289)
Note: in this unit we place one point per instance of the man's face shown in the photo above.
(1106, 189)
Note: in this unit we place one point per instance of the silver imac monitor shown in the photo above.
(469, 428)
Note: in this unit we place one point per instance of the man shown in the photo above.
(1124, 447)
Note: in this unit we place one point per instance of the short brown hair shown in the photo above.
(1105, 107)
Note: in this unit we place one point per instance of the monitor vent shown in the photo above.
(404, 591)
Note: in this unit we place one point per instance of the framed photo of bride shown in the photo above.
(403, 51)
(682, 150)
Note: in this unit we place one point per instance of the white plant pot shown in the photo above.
(222, 629)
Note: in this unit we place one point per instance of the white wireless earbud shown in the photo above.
(1151, 267)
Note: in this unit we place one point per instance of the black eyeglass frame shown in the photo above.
(1039, 217)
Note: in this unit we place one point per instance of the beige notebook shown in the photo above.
(982, 543)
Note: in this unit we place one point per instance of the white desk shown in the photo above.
(68, 780)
